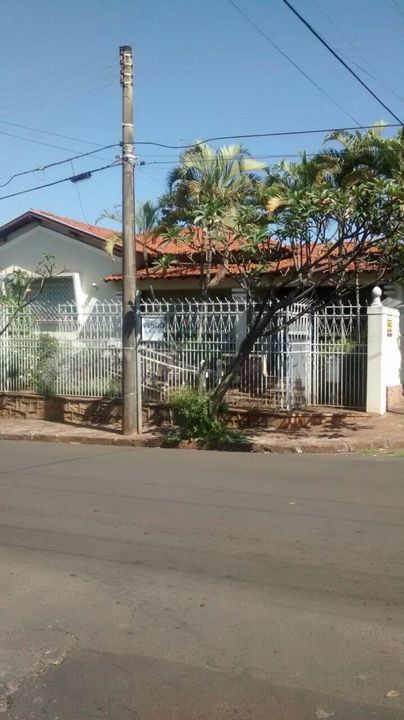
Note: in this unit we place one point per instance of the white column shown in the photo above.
(384, 355)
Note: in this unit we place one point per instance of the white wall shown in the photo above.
(26, 247)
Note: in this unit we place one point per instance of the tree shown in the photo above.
(206, 175)
(147, 219)
(206, 185)
(362, 156)
(18, 292)
(320, 233)
(306, 242)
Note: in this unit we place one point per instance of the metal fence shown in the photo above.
(308, 358)
(62, 351)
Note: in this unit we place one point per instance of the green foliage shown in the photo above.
(195, 419)
(209, 177)
(114, 389)
(15, 286)
(44, 375)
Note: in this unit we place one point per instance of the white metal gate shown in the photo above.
(312, 358)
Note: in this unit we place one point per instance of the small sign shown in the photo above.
(389, 327)
(153, 328)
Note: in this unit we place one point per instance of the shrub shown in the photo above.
(195, 420)
(44, 376)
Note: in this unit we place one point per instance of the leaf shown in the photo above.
(275, 202)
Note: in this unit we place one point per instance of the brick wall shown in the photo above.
(59, 409)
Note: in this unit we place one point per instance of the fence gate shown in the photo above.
(313, 358)
(339, 357)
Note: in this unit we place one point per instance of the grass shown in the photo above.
(379, 452)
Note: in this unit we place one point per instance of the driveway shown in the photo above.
(178, 585)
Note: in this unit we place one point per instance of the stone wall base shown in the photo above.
(84, 411)
(108, 413)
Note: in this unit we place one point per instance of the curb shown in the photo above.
(69, 438)
(333, 447)
(158, 441)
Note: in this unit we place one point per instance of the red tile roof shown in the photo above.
(189, 242)
(95, 234)
(180, 272)
(102, 232)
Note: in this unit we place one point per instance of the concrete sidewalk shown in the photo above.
(348, 435)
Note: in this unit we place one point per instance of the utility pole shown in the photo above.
(131, 410)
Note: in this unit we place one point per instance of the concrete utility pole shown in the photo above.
(131, 410)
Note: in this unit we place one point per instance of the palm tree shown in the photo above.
(287, 177)
(205, 188)
(211, 177)
(147, 219)
(363, 156)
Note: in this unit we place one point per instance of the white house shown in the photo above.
(79, 251)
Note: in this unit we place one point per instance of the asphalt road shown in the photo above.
(178, 585)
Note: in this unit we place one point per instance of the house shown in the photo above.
(182, 276)
(88, 272)
(79, 251)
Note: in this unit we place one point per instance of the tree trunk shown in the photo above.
(235, 366)
(257, 329)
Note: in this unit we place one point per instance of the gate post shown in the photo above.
(384, 356)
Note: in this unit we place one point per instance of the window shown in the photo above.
(57, 291)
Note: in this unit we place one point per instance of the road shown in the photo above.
(183, 585)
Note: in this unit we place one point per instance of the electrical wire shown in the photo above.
(289, 59)
(397, 6)
(283, 133)
(56, 103)
(41, 168)
(59, 72)
(145, 163)
(339, 58)
(71, 178)
(48, 132)
(374, 76)
(174, 158)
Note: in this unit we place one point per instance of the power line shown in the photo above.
(71, 178)
(376, 76)
(340, 59)
(47, 143)
(57, 162)
(20, 106)
(37, 142)
(397, 6)
(213, 160)
(289, 59)
(48, 132)
(174, 158)
(283, 133)
(76, 66)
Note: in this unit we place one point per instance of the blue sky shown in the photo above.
(201, 70)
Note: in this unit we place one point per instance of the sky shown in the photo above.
(201, 70)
